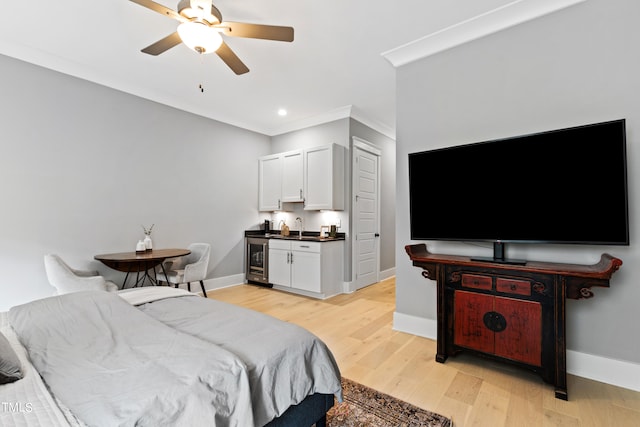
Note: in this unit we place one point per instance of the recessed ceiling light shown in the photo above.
(282, 112)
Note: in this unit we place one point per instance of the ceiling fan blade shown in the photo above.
(156, 7)
(257, 31)
(231, 59)
(163, 45)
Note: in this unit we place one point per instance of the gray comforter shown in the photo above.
(285, 362)
(175, 361)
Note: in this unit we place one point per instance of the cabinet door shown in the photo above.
(519, 332)
(324, 177)
(292, 176)
(270, 183)
(305, 271)
(469, 328)
(279, 267)
(521, 340)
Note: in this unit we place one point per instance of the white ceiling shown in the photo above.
(332, 69)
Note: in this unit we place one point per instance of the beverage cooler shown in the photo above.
(257, 259)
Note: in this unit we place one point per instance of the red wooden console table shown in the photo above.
(511, 313)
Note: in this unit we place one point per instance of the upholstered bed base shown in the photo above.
(312, 410)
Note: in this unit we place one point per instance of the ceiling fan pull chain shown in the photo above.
(201, 86)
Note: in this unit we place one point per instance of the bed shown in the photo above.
(162, 356)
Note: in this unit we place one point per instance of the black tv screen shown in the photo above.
(560, 186)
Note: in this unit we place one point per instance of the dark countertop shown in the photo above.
(309, 236)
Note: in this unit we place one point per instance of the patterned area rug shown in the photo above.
(366, 407)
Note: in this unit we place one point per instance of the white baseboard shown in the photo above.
(220, 282)
(387, 274)
(415, 325)
(611, 371)
(350, 287)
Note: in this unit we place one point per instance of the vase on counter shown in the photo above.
(140, 247)
(148, 243)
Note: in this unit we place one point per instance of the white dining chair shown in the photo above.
(66, 279)
(189, 268)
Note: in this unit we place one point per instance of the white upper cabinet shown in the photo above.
(324, 177)
(281, 180)
(314, 176)
(292, 176)
(270, 189)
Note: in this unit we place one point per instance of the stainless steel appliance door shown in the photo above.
(257, 260)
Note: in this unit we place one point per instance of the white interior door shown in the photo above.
(366, 208)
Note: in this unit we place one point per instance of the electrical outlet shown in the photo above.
(338, 222)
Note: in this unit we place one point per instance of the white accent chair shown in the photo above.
(66, 279)
(189, 268)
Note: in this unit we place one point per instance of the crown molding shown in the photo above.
(60, 65)
(329, 116)
(373, 124)
(498, 19)
(346, 112)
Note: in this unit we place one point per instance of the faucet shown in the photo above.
(300, 232)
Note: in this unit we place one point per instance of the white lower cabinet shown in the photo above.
(279, 266)
(310, 268)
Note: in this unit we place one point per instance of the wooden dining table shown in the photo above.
(140, 263)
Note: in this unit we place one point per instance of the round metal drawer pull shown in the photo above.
(494, 321)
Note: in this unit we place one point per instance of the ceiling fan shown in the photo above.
(201, 27)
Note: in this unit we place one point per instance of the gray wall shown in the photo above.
(577, 66)
(85, 166)
(341, 132)
(335, 132)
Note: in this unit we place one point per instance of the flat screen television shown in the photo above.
(565, 186)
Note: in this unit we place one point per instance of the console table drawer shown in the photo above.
(476, 281)
(513, 286)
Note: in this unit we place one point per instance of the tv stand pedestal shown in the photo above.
(498, 256)
(512, 313)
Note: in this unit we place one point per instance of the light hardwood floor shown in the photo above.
(358, 328)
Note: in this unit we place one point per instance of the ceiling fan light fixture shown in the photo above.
(199, 36)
